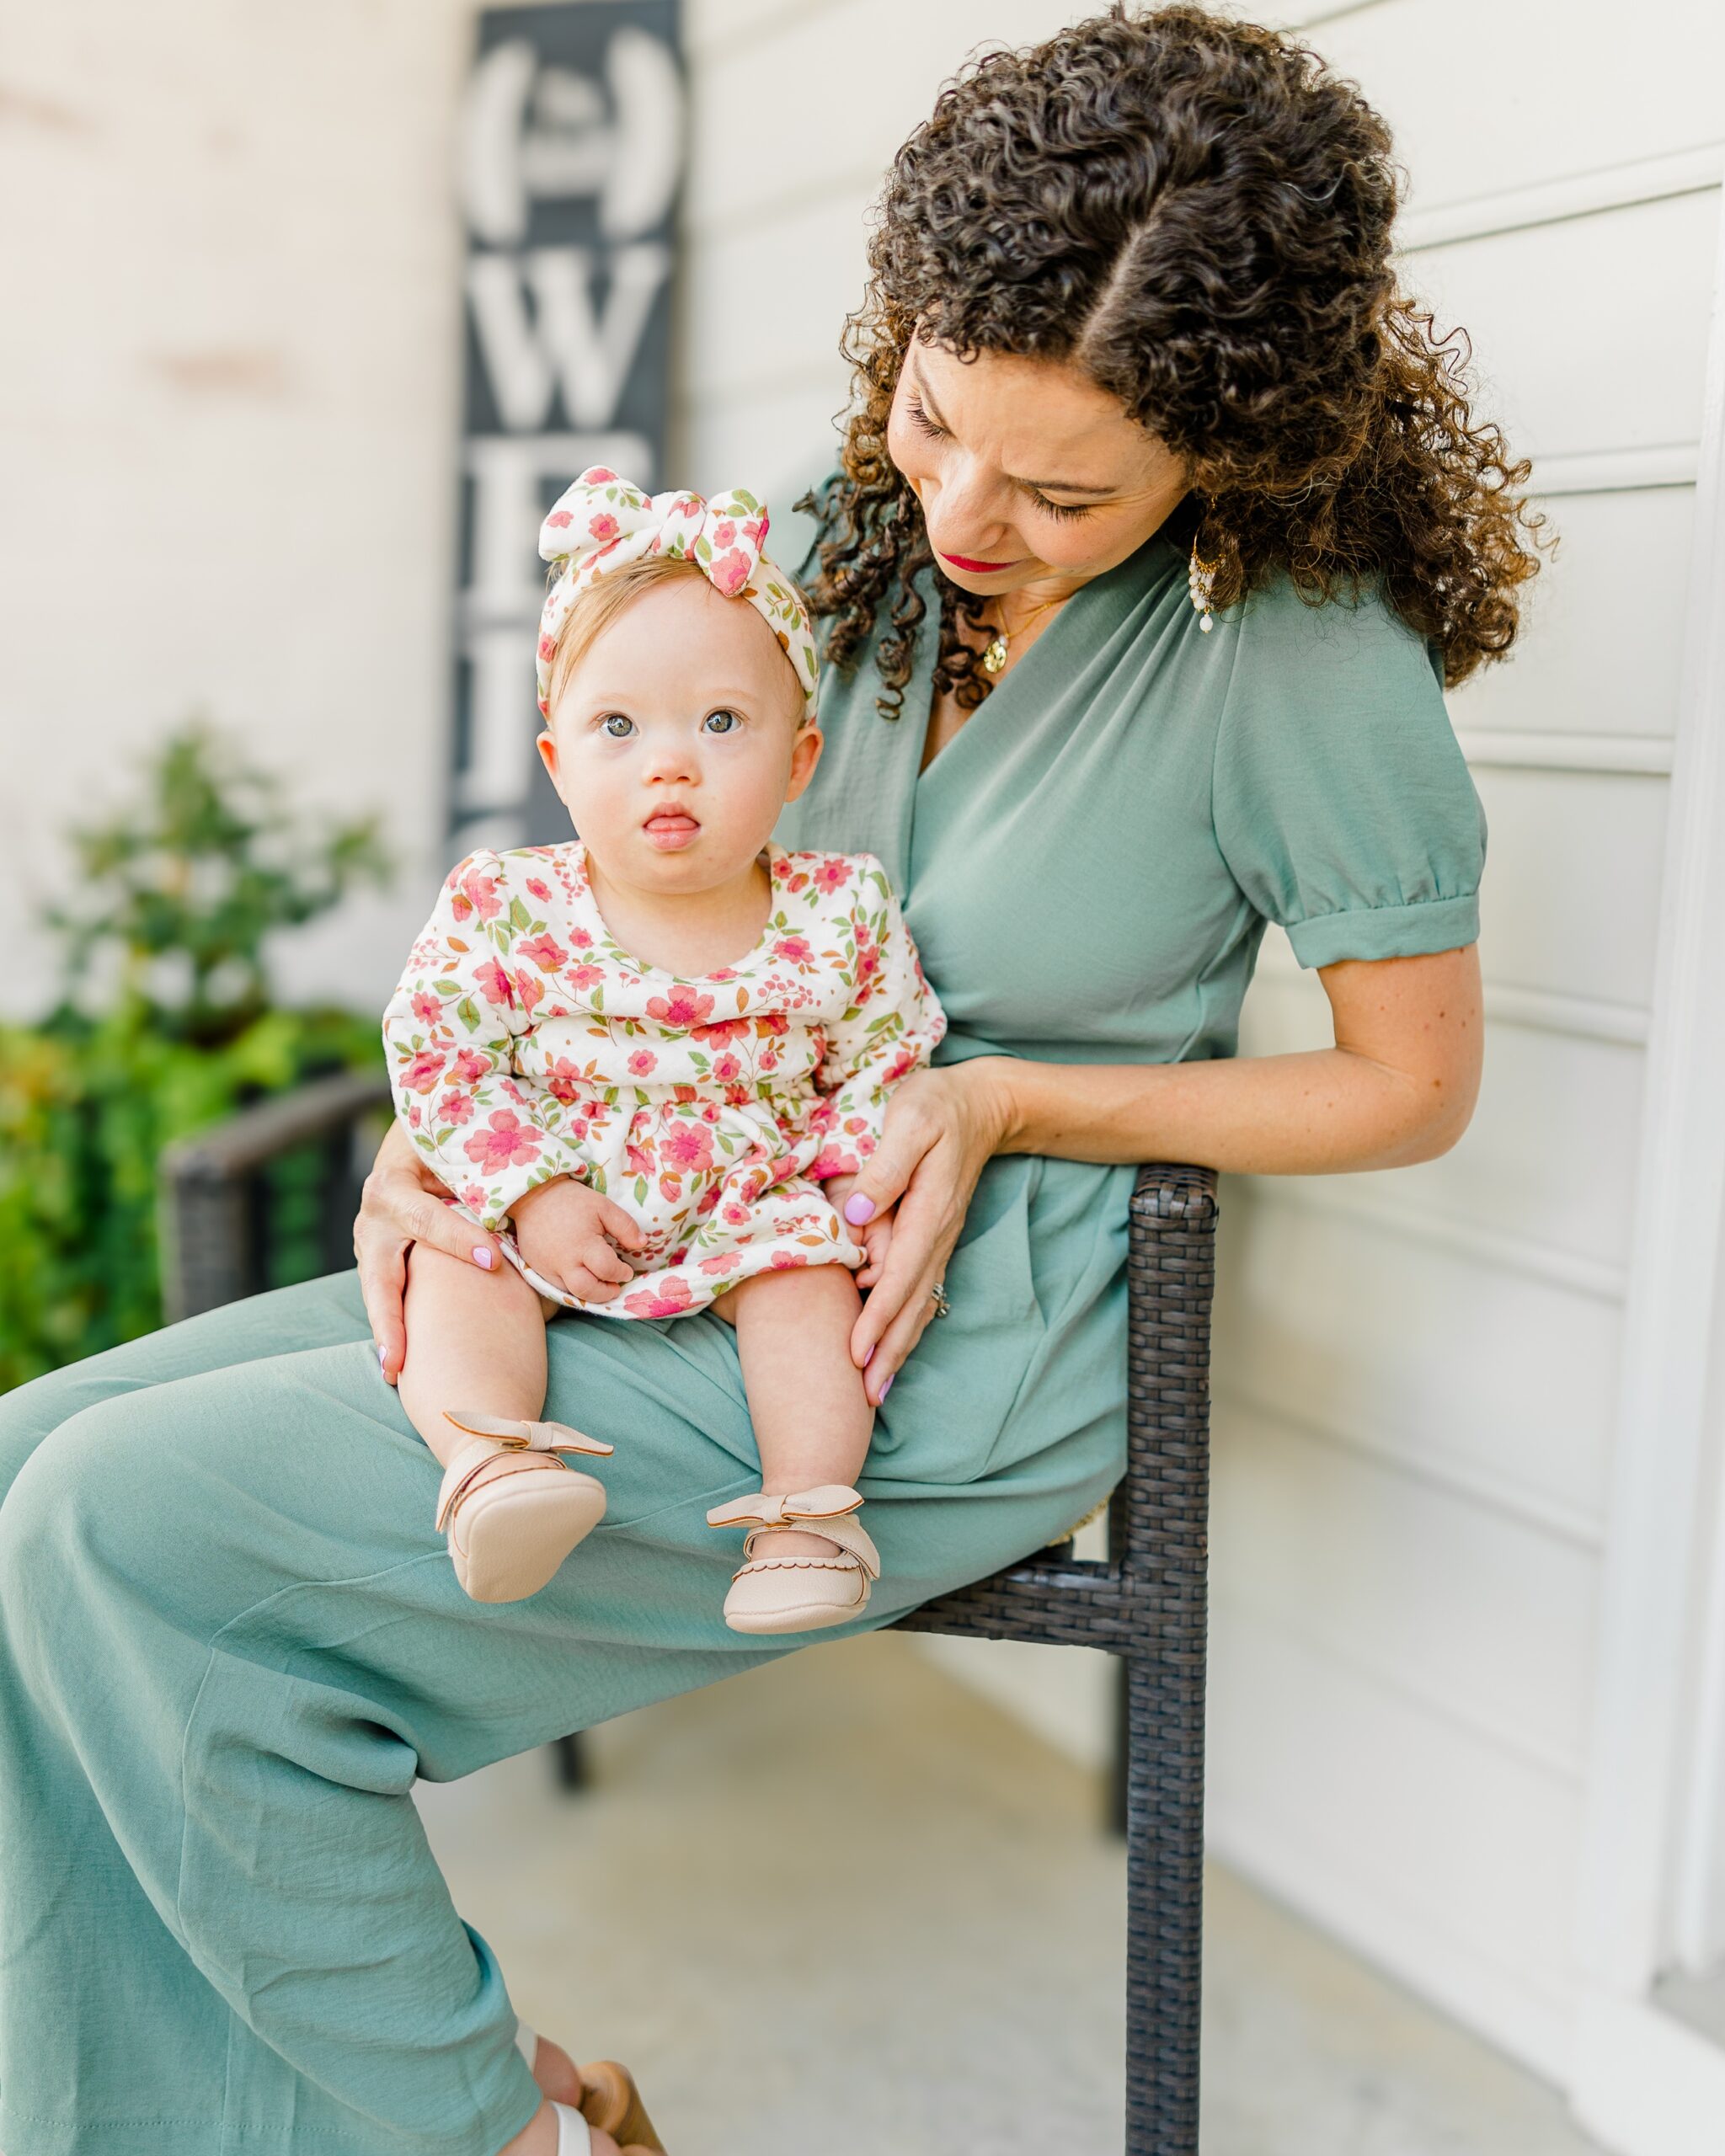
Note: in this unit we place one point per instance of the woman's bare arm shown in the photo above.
(1398, 1086)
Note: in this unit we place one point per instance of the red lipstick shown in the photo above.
(976, 568)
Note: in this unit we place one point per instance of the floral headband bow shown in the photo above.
(601, 522)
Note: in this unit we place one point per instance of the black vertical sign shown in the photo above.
(572, 150)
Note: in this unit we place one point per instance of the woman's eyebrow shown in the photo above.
(1033, 486)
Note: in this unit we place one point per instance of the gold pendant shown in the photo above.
(995, 658)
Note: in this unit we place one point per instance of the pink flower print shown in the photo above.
(425, 1071)
(641, 1162)
(544, 951)
(505, 1142)
(547, 649)
(736, 1096)
(670, 1188)
(721, 1031)
(580, 976)
(735, 1215)
(682, 1008)
(456, 1108)
(729, 572)
(597, 475)
(834, 1160)
(726, 1066)
(427, 1009)
(688, 1145)
(669, 1298)
(414, 1118)
(493, 982)
(470, 1066)
(580, 940)
(529, 990)
(725, 1260)
(643, 1061)
(783, 1259)
(540, 891)
(481, 894)
(708, 1199)
(833, 873)
(755, 529)
(724, 534)
(559, 519)
(602, 526)
(474, 1197)
(901, 1065)
(563, 1080)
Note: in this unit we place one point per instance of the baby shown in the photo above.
(652, 1059)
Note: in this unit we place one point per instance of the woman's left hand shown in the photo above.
(942, 1128)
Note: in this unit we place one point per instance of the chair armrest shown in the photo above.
(209, 1223)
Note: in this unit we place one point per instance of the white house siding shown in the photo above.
(1417, 1371)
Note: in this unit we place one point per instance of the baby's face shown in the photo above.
(675, 741)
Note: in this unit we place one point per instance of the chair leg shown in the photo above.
(1164, 1902)
(570, 1757)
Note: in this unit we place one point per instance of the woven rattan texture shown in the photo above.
(1147, 1604)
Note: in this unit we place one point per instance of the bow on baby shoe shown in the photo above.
(831, 1500)
(602, 522)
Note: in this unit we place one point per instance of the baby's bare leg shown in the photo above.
(476, 1342)
(811, 1416)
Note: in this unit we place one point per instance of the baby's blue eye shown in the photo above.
(733, 721)
(613, 720)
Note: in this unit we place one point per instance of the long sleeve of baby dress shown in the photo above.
(525, 1043)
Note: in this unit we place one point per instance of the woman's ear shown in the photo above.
(805, 754)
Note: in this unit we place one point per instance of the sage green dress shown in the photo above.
(230, 1638)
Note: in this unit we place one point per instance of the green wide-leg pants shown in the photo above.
(230, 1640)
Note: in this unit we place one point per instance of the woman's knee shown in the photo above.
(31, 1413)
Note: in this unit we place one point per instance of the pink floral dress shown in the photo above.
(524, 1044)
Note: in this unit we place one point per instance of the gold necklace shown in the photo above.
(994, 659)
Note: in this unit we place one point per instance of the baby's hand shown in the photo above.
(568, 1232)
(875, 1235)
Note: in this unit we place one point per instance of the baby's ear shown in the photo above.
(805, 754)
(547, 746)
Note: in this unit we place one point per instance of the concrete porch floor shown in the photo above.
(842, 1906)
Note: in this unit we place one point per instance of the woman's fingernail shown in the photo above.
(869, 1357)
(858, 1208)
(382, 1361)
(887, 1386)
(484, 1256)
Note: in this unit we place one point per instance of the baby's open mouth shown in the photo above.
(671, 829)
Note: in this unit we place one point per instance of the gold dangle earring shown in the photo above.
(1200, 579)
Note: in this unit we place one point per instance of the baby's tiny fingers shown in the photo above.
(622, 1225)
(605, 1264)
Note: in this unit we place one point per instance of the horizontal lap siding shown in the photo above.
(1416, 1370)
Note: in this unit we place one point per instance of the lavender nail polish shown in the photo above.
(484, 1255)
(887, 1386)
(858, 1208)
(869, 1357)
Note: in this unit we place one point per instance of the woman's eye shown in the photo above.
(617, 725)
(1061, 509)
(728, 721)
(920, 418)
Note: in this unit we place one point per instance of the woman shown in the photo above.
(1160, 524)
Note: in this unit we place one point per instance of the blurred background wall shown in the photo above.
(228, 410)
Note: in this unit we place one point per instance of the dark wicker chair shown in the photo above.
(1146, 1604)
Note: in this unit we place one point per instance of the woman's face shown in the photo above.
(1028, 473)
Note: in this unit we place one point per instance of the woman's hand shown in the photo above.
(942, 1128)
(403, 1203)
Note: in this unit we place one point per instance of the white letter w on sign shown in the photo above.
(565, 344)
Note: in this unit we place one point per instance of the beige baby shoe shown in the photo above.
(509, 1534)
(798, 1594)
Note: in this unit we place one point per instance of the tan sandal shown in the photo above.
(803, 1593)
(517, 1529)
(609, 2101)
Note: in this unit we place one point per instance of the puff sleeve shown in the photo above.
(1342, 804)
(894, 1024)
(469, 990)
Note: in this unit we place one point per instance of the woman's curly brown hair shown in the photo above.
(1196, 212)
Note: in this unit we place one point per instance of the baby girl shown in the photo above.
(653, 1059)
